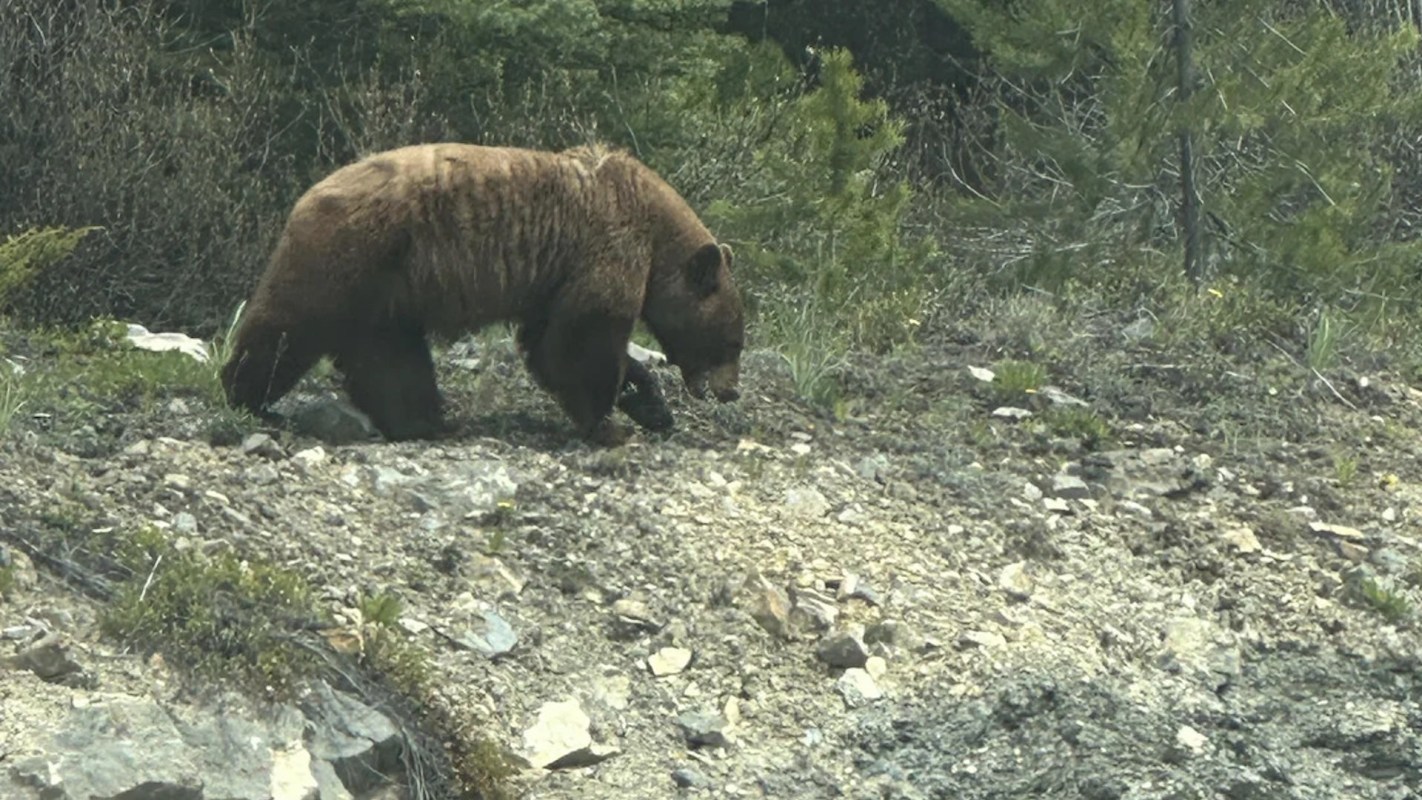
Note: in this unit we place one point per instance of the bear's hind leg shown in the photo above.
(390, 376)
(580, 360)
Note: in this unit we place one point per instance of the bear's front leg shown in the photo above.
(581, 359)
(390, 377)
(644, 403)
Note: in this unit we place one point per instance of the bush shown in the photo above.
(24, 255)
(822, 218)
(104, 128)
(1292, 121)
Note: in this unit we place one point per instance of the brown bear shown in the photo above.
(438, 240)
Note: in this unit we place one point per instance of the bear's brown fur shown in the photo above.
(443, 239)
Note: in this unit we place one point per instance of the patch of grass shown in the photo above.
(1076, 422)
(12, 395)
(93, 370)
(220, 616)
(82, 376)
(1323, 340)
(1012, 379)
(814, 351)
(1222, 316)
(814, 373)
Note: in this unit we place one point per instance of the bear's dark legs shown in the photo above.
(389, 375)
(580, 360)
(644, 404)
(265, 364)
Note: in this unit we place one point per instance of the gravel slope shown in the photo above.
(924, 600)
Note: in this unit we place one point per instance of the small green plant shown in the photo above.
(1345, 469)
(1012, 379)
(12, 397)
(380, 609)
(1393, 604)
(1322, 349)
(1076, 422)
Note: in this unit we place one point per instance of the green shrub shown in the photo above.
(1013, 380)
(26, 254)
(821, 217)
(1294, 121)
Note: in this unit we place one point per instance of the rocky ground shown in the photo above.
(934, 596)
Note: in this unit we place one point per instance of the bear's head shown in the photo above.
(700, 322)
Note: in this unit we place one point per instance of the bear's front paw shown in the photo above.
(648, 409)
(608, 433)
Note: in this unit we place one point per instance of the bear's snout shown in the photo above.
(724, 382)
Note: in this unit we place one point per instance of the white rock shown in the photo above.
(1191, 738)
(309, 457)
(1241, 539)
(858, 688)
(559, 731)
(669, 661)
(1015, 581)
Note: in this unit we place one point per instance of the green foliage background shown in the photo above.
(877, 165)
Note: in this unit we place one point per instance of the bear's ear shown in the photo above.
(704, 271)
